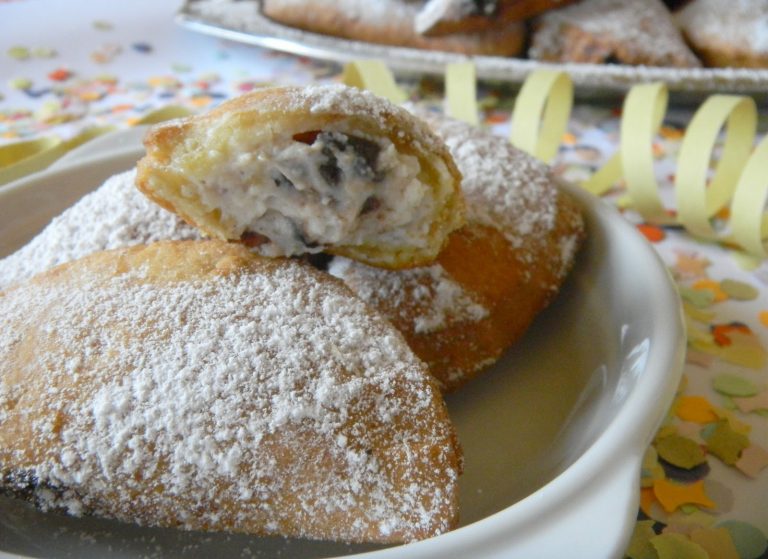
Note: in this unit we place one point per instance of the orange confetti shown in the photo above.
(763, 318)
(752, 461)
(60, 75)
(569, 139)
(496, 118)
(673, 495)
(717, 542)
(652, 233)
(721, 332)
(712, 286)
(671, 133)
(696, 409)
(691, 266)
(647, 498)
(751, 403)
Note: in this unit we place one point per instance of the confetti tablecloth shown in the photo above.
(69, 66)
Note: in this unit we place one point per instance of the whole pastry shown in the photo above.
(394, 22)
(295, 170)
(640, 32)
(727, 33)
(495, 274)
(192, 384)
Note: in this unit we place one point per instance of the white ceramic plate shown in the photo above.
(553, 434)
(241, 21)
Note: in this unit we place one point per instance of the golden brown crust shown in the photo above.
(395, 27)
(199, 151)
(137, 384)
(495, 275)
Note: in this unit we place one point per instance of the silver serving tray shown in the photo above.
(242, 21)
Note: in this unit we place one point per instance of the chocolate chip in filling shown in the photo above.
(366, 154)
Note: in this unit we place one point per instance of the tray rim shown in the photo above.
(595, 80)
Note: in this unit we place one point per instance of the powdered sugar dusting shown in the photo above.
(215, 402)
(115, 215)
(504, 187)
(437, 299)
(741, 23)
(350, 101)
(644, 28)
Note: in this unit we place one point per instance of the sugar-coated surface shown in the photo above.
(741, 23)
(429, 289)
(504, 187)
(115, 215)
(177, 394)
(642, 26)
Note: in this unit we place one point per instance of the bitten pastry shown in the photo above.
(640, 32)
(193, 384)
(391, 22)
(442, 17)
(300, 170)
(727, 33)
(496, 273)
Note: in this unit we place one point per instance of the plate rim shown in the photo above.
(633, 417)
(610, 80)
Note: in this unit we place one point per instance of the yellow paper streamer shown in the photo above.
(40, 155)
(604, 178)
(374, 76)
(461, 92)
(164, 113)
(644, 109)
(541, 113)
(697, 198)
(748, 221)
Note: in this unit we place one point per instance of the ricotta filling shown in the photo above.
(305, 192)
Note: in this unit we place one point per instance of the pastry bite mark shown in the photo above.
(197, 385)
(495, 275)
(322, 168)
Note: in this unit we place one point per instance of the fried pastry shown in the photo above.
(115, 215)
(727, 34)
(391, 22)
(195, 385)
(640, 32)
(302, 170)
(443, 17)
(496, 273)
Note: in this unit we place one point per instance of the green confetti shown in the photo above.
(726, 444)
(699, 298)
(44, 52)
(734, 385)
(677, 546)
(18, 53)
(680, 451)
(640, 544)
(20, 83)
(750, 542)
(739, 290)
(102, 25)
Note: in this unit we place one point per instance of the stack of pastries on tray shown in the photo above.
(673, 33)
(268, 356)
